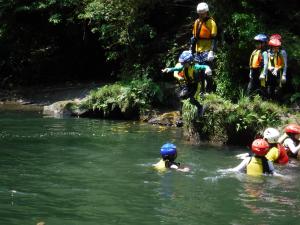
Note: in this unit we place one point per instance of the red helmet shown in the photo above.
(274, 43)
(276, 36)
(292, 129)
(260, 147)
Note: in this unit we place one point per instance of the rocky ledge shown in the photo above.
(55, 101)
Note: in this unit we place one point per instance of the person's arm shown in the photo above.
(284, 55)
(184, 169)
(214, 32)
(291, 145)
(238, 168)
(199, 67)
(172, 69)
(282, 138)
(243, 155)
(176, 167)
(271, 167)
(265, 63)
(206, 68)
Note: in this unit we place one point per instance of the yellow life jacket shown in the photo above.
(189, 76)
(255, 167)
(160, 166)
(256, 59)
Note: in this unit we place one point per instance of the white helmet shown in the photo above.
(271, 135)
(202, 7)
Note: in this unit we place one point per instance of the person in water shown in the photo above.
(291, 140)
(168, 153)
(277, 152)
(256, 164)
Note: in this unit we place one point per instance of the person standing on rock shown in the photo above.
(203, 42)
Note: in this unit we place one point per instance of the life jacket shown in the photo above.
(187, 73)
(256, 59)
(258, 165)
(201, 30)
(163, 165)
(283, 157)
(276, 59)
(160, 166)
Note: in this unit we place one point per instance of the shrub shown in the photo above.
(231, 123)
(126, 99)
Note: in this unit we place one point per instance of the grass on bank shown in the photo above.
(233, 123)
(123, 99)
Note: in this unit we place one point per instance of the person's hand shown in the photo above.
(250, 75)
(271, 68)
(262, 76)
(210, 56)
(283, 79)
(208, 71)
(274, 72)
(165, 70)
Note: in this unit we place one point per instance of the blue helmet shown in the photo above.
(261, 38)
(168, 151)
(186, 57)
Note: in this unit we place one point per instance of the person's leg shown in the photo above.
(271, 85)
(209, 78)
(193, 95)
(250, 86)
(278, 87)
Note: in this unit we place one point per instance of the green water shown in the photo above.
(88, 172)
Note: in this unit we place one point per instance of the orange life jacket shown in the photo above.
(275, 60)
(283, 157)
(201, 30)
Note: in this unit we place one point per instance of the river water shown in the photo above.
(74, 171)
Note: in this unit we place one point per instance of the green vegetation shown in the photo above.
(232, 123)
(61, 40)
(122, 99)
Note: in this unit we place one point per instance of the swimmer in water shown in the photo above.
(168, 153)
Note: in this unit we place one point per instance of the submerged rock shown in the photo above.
(167, 119)
(58, 109)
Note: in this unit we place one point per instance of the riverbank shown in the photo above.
(53, 100)
(223, 122)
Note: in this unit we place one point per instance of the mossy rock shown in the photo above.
(172, 118)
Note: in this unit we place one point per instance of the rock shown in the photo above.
(167, 119)
(58, 109)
